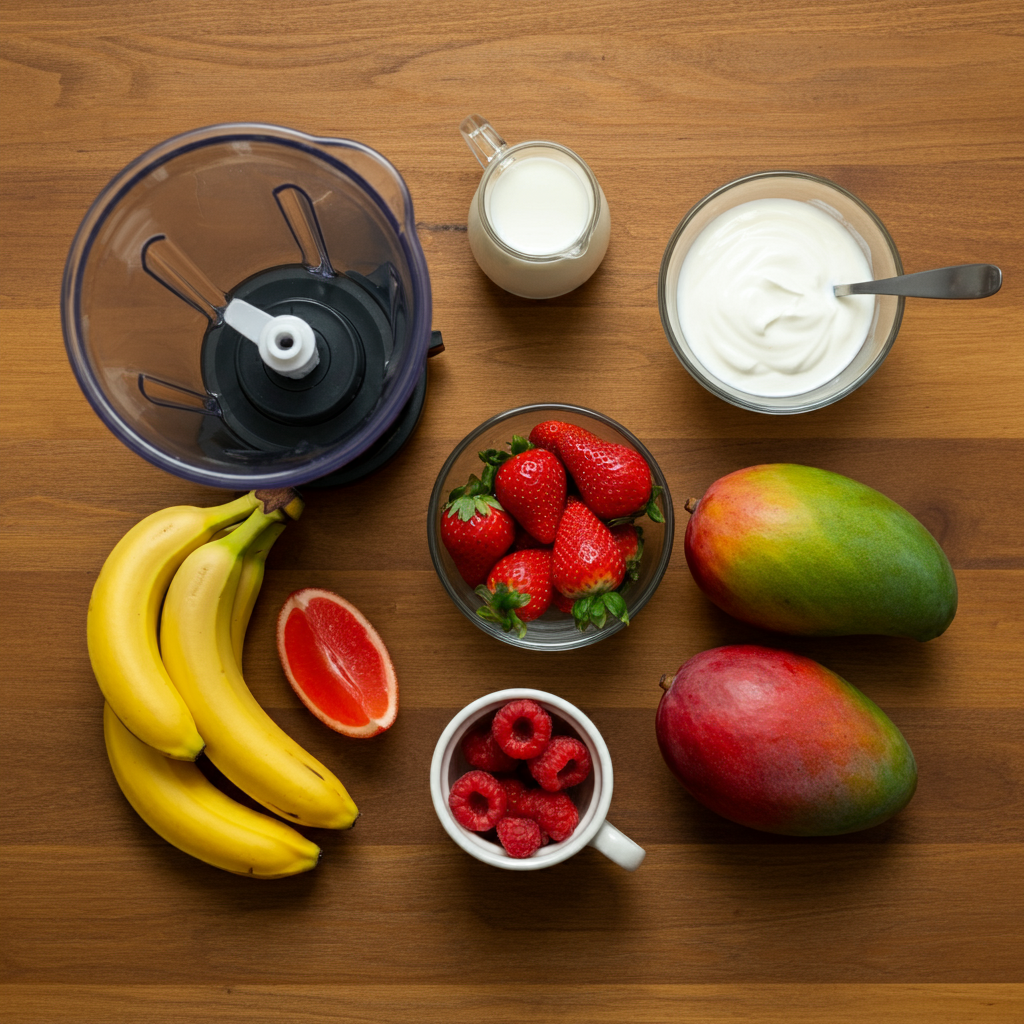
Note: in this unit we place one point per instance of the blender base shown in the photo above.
(265, 414)
(384, 449)
(354, 339)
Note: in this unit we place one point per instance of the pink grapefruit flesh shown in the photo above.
(337, 663)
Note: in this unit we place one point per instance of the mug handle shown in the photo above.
(483, 141)
(618, 847)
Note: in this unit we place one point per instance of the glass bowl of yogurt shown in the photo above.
(746, 292)
(554, 630)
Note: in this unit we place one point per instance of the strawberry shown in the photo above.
(548, 434)
(613, 480)
(587, 566)
(630, 540)
(518, 590)
(524, 540)
(531, 486)
(476, 530)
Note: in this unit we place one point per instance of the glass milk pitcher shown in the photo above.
(539, 222)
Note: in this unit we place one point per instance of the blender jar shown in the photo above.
(211, 235)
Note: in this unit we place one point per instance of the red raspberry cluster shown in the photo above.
(549, 524)
(519, 777)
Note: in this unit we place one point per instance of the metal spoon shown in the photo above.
(967, 281)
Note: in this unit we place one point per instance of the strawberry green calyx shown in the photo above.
(595, 609)
(495, 457)
(650, 510)
(500, 606)
(520, 444)
(467, 505)
(479, 487)
(475, 530)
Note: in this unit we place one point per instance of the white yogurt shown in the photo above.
(539, 206)
(755, 297)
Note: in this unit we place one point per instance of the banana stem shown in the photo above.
(245, 534)
(233, 511)
(284, 498)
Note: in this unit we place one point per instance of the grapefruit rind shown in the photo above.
(345, 689)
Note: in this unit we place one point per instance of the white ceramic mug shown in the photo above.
(593, 796)
(538, 224)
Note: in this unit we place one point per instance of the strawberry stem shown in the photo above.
(500, 606)
(477, 485)
(493, 458)
(652, 511)
(595, 609)
(468, 505)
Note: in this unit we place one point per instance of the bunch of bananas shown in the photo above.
(174, 688)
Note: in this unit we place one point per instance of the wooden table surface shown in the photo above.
(916, 108)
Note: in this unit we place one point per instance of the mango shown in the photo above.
(777, 742)
(812, 553)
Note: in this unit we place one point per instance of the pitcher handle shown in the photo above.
(483, 141)
(618, 847)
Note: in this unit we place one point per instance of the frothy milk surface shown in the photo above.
(755, 297)
(538, 206)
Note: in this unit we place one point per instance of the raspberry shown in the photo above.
(554, 812)
(514, 790)
(565, 762)
(520, 836)
(481, 751)
(478, 801)
(522, 728)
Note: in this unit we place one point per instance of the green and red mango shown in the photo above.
(777, 742)
(809, 552)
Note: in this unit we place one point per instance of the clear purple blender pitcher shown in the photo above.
(249, 306)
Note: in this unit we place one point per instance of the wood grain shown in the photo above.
(916, 108)
(565, 1004)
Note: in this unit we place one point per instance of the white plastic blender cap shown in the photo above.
(286, 343)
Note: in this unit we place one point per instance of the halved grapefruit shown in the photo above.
(336, 663)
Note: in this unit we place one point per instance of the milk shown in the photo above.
(539, 206)
(539, 223)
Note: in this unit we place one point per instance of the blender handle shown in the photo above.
(483, 141)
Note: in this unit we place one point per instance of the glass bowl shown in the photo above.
(855, 216)
(553, 631)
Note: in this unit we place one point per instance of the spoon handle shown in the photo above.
(967, 281)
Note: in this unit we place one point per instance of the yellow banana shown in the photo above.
(124, 612)
(177, 801)
(241, 738)
(249, 582)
